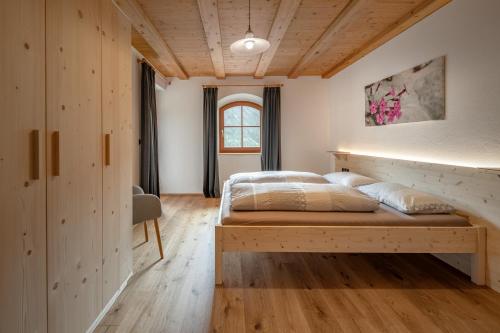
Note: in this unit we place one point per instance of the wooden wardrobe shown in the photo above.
(23, 294)
(65, 162)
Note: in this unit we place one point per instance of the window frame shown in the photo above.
(239, 150)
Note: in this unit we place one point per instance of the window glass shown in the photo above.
(251, 116)
(232, 116)
(232, 137)
(251, 136)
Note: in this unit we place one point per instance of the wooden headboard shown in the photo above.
(473, 191)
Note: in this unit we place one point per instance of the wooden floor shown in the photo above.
(288, 292)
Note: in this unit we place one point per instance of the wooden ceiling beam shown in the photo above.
(420, 12)
(209, 13)
(326, 40)
(282, 20)
(139, 20)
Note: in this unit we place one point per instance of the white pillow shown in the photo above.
(349, 179)
(405, 199)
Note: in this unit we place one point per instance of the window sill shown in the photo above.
(239, 153)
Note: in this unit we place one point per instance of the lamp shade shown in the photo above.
(250, 45)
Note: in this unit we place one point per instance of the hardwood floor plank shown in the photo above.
(259, 314)
(409, 315)
(228, 309)
(342, 296)
(289, 313)
(287, 292)
(318, 314)
(462, 310)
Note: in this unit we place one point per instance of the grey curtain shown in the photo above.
(210, 164)
(150, 182)
(271, 130)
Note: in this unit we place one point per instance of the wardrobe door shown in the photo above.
(22, 167)
(117, 175)
(124, 145)
(74, 181)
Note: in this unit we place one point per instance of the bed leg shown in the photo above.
(478, 259)
(218, 255)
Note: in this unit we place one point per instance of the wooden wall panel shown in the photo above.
(117, 181)
(111, 168)
(74, 200)
(124, 127)
(22, 197)
(472, 190)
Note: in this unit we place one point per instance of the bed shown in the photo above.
(383, 231)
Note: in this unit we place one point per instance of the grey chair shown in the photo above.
(146, 207)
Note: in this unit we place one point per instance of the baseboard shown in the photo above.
(108, 306)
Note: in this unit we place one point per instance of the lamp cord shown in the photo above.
(249, 29)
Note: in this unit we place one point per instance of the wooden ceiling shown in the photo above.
(184, 38)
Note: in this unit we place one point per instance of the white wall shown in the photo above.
(468, 34)
(179, 138)
(305, 119)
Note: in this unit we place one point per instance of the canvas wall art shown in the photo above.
(416, 94)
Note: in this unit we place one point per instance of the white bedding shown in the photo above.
(299, 197)
(277, 177)
(406, 200)
(350, 179)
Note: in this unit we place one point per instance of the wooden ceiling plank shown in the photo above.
(233, 17)
(409, 19)
(325, 41)
(282, 20)
(209, 13)
(139, 20)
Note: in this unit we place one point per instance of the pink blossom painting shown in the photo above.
(416, 94)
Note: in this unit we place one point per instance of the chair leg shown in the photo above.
(146, 230)
(158, 238)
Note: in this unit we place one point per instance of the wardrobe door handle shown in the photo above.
(107, 149)
(55, 154)
(35, 154)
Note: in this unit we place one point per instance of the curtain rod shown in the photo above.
(242, 85)
(140, 61)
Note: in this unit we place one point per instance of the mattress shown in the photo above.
(384, 216)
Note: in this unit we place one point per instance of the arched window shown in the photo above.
(239, 128)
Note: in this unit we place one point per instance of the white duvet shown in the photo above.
(300, 197)
(277, 177)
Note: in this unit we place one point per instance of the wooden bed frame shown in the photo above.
(352, 239)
